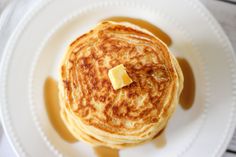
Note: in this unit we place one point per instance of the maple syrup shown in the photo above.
(187, 96)
(159, 139)
(102, 151)
(53, 109)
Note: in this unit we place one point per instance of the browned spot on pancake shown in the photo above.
(79, 38)
(66, 84)
(147, 62)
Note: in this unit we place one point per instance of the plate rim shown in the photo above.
(7, 52)
(227, 45)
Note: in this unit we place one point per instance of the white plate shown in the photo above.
(34, 52)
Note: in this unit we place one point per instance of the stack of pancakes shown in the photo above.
(96, 113)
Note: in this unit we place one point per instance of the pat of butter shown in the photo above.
(119, 77)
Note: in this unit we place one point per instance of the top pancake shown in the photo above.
(139, 110)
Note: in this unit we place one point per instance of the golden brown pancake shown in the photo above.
(96, 113)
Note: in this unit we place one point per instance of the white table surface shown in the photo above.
(224, 12)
